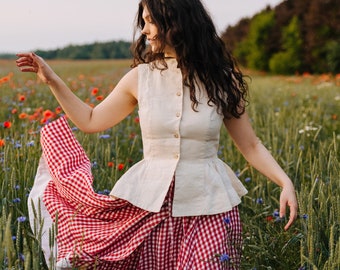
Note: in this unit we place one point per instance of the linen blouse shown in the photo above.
(181, 144)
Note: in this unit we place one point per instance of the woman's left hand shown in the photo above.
(288, 197)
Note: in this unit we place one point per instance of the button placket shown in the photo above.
(178, 113)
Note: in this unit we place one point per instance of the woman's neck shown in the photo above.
(170, 53)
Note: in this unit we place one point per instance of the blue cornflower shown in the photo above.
(276, 213)
(17, 187)
(16, 200)
(31, 143)
(304, 216)
(103, 192)
(17, 145)
(21, 257)
(94, 164)
(224, 258)
(21, 219)
(259, 200)
(248, 179)
(104, 136)
(279, 219)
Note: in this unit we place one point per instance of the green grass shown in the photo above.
(296, 118)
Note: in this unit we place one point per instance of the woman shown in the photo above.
(176, 208)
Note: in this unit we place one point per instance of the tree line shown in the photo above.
(295, 36)
(99, 50)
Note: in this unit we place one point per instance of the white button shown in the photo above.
(176, 155)
(178, 93)
(178, 114)
(176, 135)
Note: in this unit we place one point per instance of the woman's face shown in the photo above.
(150, 30)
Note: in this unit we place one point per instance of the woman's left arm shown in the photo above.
(260, 158)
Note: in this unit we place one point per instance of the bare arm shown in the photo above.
(259, 157)
(114, 108)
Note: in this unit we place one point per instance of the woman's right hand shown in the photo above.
(30, 62)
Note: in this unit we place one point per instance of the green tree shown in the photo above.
(256, 45)
(333, 56)
(289, 60)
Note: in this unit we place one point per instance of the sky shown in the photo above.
(27, 25)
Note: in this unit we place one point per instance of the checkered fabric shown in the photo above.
(98, 232)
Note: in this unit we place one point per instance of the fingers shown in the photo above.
(292, 216)
(282, 210)
(27, 62)
(293, 209)
(289, 223)
(29, 70)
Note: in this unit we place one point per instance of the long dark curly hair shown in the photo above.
(201, 54)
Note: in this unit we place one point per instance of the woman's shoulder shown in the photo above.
(131, 76)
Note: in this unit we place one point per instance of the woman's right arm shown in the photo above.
(113, 109)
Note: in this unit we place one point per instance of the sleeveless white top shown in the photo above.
(178, 142)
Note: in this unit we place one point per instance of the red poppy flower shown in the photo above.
(94, 91)
(4, 79)
(120, 166)
(39, 110)
(2, 142)
(21, 98)
(269, 218)
(110, 164)
(48, 114)
(136, 120)
(23, 115)
(58, 110)
(7, 124)
(99, 98)
(43, 120)
(34, 116)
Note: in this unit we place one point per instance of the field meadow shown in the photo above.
(296, 118)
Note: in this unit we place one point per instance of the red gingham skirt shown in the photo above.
(98, 232)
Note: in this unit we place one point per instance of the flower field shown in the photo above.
(296, 118)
